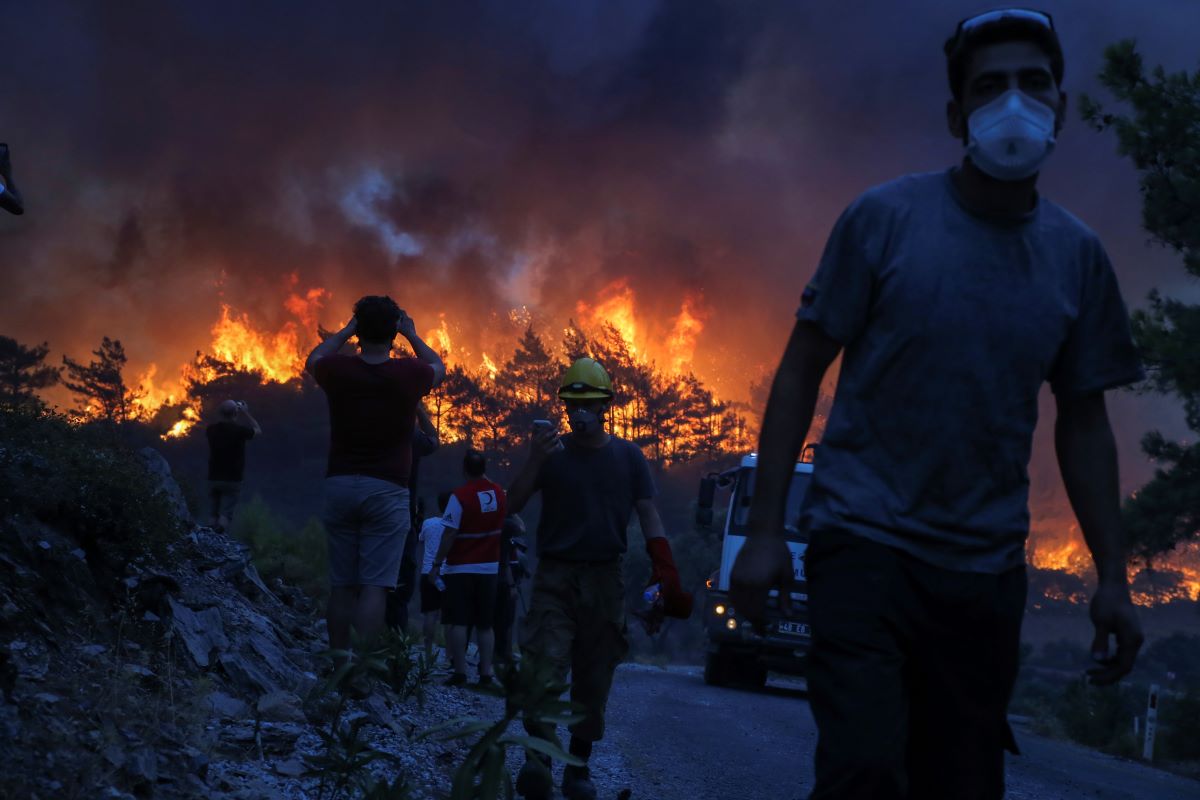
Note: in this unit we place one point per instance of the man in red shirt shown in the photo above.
(373, 402)
(469, 563)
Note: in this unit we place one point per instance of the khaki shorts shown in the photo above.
(366, 520)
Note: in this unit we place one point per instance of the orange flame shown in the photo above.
(490, 367)
(276, 355)
(681, 343)
(1180, 568)
(439, 337)
(616, 309)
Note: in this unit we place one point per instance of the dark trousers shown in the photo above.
(399, 598)
(506, 615)
(576, 624)
(910, 673)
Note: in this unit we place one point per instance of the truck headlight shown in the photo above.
(731, 624)
(719, 610)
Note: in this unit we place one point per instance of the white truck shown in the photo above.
(736, 653)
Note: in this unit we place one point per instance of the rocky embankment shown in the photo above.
(182, 676)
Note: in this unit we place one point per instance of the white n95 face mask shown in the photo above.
(1011, 137)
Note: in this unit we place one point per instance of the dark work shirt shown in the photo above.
(422, 445)
(951, 322)
(227, 450)
(588, 497)
(372, 414)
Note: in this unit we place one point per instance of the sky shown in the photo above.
(471, 158)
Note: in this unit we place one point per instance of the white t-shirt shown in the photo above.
(431, 536)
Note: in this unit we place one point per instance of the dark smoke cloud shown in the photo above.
(470, 157)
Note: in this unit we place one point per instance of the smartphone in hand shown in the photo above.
(543, 425)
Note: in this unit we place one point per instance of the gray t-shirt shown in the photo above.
(588, 496)
(951, 322)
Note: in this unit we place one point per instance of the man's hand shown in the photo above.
(543, 444)
(405, 326)
(764, 563)
(1113, 614)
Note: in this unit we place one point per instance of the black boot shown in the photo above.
(577, 784)
(535, 781)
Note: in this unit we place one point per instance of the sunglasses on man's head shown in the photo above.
(988, 17)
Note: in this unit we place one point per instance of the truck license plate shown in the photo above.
(794, 628)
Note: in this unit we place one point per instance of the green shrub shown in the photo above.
(1179, 723)
(1099, 716)
(84, 481)
(278, 550)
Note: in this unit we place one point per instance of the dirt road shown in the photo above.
(671, 737)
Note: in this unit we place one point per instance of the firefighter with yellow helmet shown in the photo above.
(591, 483)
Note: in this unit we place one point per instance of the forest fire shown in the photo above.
(1173, 576)
(654, 360)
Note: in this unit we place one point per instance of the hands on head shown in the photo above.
(405, 326)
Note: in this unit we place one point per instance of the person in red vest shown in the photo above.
(468, 561)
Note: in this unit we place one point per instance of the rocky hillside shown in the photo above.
(175, 670)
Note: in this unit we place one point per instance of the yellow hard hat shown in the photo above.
(586, 380)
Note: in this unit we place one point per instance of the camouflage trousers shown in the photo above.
(576, 622)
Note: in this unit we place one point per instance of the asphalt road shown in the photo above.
(670, 737)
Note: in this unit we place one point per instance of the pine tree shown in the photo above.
(1161, 138)
(528, 385)
(22, 373)
(101, 384)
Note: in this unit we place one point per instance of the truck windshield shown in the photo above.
(745, 492)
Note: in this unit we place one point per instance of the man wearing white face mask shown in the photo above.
(954, 296)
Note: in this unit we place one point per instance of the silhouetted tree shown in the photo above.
(22, 372)
(528, 385)
(101, 384)
(1160, 138)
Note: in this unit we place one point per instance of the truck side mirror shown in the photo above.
(704, 503)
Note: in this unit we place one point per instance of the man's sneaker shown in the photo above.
(486, 681)
(577, 784)
(535, 781)
(457, 679)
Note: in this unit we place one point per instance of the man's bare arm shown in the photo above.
(330, 346)
(448, 536)
(426, 426)
(786, 421)
(1087, 458)
(525, 484)
(408, 329)
(253, 422)
(649, 519)
(765, 562)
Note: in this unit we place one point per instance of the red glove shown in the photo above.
(676, 602)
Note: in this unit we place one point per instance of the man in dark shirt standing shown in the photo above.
(425, 443)
(953, 296)
(227, 459)
(591, 484)
(373, 400)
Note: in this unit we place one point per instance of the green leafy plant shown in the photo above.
(84, 481)
(531, 692)
(389, 659)
(279, 550)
